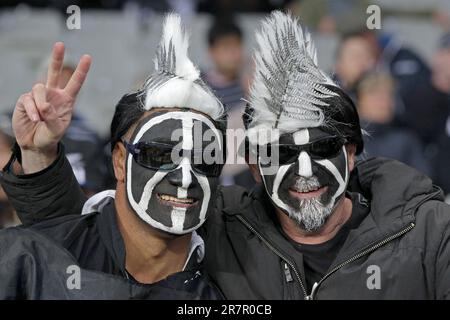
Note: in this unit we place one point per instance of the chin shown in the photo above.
(311, 215)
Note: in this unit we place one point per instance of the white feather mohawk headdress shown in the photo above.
(288, 91)
(176, 81)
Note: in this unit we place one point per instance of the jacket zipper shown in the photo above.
(357, 256)
(317, 284)
(370, 249)
(277, 252)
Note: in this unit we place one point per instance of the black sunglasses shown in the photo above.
(328, 147)
(158, 156)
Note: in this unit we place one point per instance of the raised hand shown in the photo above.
(42, 116)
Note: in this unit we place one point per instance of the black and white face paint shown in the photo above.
(309, 189)
(179, 200)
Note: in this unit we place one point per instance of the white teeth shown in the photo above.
(166, 197)
(305, 189)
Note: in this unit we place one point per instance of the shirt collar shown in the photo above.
(196, 251)
(98, 203)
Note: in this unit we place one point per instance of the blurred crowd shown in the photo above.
(403, 101)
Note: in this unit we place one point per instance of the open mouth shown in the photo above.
(172, 201)
(308, 193)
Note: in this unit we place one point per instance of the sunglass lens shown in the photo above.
(326, 148)
(287, 154)
(155, 157)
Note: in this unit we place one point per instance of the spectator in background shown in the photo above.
(225, 40)
(441, 83)
(441, 65)
(420, 104)
(376, 104)
(405, 65)
(441, 14)
(354, 58)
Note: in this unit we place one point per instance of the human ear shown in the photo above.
(351, 156)
(255, 172)
(118, 159)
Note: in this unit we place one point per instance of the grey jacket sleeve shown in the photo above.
(443, 263)
(50, 193)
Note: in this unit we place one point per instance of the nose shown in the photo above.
(304, 165)
(182, 176)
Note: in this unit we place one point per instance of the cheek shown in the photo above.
(211, 188)
(138, 178)
(268, 177)
(336, 170)
(275, 178)
(340, 163)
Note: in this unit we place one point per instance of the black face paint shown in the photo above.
(311, 183)
(176, 201)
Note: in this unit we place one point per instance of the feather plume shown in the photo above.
(176, 81)
(288, 91)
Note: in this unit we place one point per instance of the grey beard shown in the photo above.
(311, 214)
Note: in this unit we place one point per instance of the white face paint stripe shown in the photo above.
(178, 214)
(178, 115)
(147, 193)
(276, 184)
(182, 193)
(188, 141)
(148, 189)
(156, 224)
(204, 183)
(335, 172)
(301, 137)
(304, 165)
(325, 163)
(188, 144)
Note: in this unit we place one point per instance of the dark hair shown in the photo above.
(223, 27)
(128, 111)
(342, 118)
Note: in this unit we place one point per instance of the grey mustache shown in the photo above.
(303, 184)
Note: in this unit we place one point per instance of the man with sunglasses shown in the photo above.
(317, 227)
(140, 241)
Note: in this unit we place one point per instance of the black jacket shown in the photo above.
(33, 266)
(405, 236)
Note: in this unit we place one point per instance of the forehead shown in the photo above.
(304, 136)
(162, 126)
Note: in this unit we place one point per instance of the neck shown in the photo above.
(151, 255)
(335, 222)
